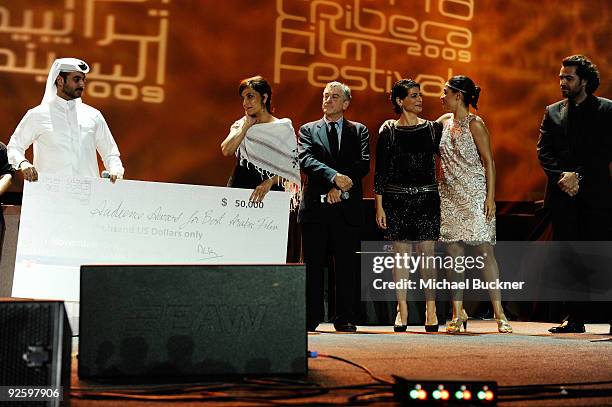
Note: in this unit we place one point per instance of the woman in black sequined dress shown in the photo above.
(407, 199)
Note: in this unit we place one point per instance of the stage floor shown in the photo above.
(528, 356)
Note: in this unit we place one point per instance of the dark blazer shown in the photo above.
(319, 166)
(590, 154)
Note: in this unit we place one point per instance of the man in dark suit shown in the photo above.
(575, 151)
(6, 175)
(335, 155)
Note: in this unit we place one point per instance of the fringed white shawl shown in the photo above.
(272, 149)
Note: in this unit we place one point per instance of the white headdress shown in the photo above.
(62, 65)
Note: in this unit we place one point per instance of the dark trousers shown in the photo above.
(573, 222)
(342, 242)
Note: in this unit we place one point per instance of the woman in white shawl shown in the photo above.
(265, 146)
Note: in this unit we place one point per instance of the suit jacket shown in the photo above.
(319, 166)
(590, 154)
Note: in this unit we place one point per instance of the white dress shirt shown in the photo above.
(339, 123)
(66, 135)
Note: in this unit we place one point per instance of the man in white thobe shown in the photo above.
(66, 132)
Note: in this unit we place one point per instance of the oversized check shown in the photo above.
(67, 222)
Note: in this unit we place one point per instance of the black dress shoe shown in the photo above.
(431, 328)
(400, 328)
(345, 327)
(568, 328)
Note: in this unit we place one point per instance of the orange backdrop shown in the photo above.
(165, 72)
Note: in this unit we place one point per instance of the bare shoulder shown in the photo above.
(477, 126)
(444, 118)
(477, 122)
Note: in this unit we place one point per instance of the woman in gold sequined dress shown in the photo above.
(467, 191)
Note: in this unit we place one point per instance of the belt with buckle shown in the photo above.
(397, 189)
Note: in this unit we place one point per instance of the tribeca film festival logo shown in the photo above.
(405, 264)
(347, 40)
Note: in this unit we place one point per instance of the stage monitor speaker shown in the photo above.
(192, 321)
(35, 347)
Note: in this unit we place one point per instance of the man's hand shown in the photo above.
(115, 176)
(28, 171)
(333, 196)
(568, 183)
(343, 182)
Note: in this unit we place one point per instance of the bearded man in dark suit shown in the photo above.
(575, 151)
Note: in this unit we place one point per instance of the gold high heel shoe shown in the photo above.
(454, 325)
(503, 326)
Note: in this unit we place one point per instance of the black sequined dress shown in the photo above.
(406, 178)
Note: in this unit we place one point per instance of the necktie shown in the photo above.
(332, 138)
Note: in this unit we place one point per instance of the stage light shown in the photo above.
(422, 394)
(433, 393)
(486, 394)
